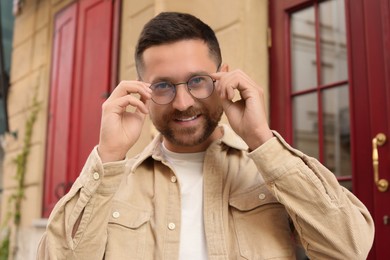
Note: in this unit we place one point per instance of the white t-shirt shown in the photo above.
(189, 172)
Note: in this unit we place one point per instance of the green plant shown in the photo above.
(4, 246)
(15, 199)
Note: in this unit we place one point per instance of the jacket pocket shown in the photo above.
(127, 232)
(261, 226)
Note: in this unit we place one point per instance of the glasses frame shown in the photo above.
(187, 88)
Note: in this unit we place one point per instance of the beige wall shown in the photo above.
(241, 28)
(30, 70)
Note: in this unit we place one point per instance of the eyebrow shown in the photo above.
(189, 75)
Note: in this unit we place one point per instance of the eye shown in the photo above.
(197, 81)
(161, 86)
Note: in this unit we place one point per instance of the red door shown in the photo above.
(330, 92)
(80, 81)
(370, 64)
(92, 78)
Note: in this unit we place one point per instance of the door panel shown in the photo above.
(332, 108)
(92, 77)
(57, 153)
(375, 35)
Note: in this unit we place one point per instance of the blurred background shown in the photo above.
(324, 66)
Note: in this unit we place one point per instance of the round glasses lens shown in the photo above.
(162, 92)
(201, 86)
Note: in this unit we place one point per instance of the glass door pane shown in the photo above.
(305, 124)
(333, 42)
(336, 129)
(303, 50)
(319, 85)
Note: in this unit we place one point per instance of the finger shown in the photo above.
(226, 88)
(120, 104)
(138, 97)
(139, 105)
(226, 103)
(131, 87)
(218, 75)
(220, 86)
(230, 91)
(237, 76)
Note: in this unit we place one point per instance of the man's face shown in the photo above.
(187, 124)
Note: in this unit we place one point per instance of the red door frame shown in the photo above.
(368, 37)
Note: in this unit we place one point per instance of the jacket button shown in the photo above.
(116, 214)
(173, 179)
(261, 196)
(96, 176)
(171, 226)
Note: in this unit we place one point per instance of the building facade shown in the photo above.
(324, 66)
(49, 53)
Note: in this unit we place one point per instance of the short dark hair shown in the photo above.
(170, 27)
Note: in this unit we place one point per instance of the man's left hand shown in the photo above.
(247, 115)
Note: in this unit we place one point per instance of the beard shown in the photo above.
(189, 136)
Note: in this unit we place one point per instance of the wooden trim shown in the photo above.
(117, 4)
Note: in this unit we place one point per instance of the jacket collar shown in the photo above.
(154, 149)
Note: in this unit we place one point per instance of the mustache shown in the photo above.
(192, 111)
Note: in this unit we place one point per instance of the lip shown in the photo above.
(187, 120)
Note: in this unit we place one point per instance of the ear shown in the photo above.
(224, 68)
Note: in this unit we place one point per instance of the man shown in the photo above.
(198, 191)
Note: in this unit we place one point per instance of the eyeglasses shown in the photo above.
(200, 87)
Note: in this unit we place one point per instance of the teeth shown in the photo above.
(187, 119)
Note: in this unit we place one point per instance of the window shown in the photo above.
(6, 33)
(310, 90)
(319, 85)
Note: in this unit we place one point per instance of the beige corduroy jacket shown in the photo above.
(257, 205)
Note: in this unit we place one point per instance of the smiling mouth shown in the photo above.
(187, 119)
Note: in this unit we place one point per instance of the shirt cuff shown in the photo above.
(275, 158)
(101, 177)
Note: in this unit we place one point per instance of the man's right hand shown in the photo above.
(120, 128)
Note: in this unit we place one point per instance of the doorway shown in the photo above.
(83, 74)
(330, 93)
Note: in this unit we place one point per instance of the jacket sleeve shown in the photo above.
(330, 221)
(90, 198)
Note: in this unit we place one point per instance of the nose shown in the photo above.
(183, 99)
